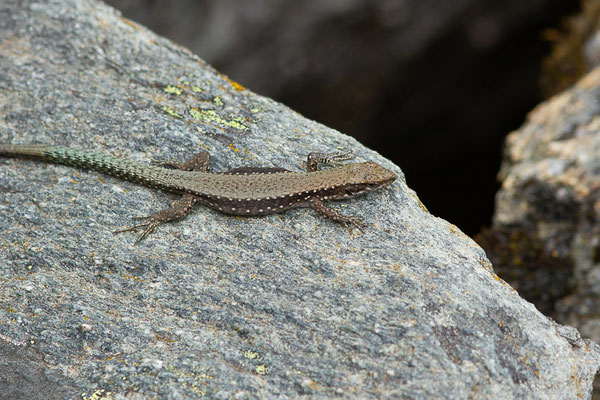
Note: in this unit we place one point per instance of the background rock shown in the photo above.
(544, 239)
(546, 229)
(285, 306)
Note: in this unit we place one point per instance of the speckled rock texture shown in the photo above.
(545, 239)
(550, 199)
(214, 306)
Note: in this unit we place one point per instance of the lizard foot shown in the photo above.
(148, 226)
(176, 211)
(354, 222)
(333, 159)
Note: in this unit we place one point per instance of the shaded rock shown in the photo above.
(575, 49)
(546, 228)
(283, 306)
(25, 375)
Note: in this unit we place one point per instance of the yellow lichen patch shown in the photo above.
(239, 121)
(496, 277)
(131, 24)
(236, 86)
(134, 278)
(487, 265)
(173, 90)
(171, 112)
(251, 355)
(420, 203)
(217, 101)
(99, 394)
(396, 267)
(262, 369)
(205, 147)
(212, 116)
(195, 113)
(115, 357)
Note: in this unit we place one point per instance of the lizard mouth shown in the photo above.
(356, 190)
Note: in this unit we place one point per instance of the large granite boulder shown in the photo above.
(282, 306)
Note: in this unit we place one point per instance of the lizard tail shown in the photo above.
(24, 150)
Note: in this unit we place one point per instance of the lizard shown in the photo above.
(243, 191)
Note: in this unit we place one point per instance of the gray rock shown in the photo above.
(550, 195)
(285, 306)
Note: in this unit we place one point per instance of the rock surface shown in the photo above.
(550, 202)
(546, 232)
(545, 239)
(285, 306)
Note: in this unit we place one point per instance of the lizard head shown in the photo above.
(365, 177)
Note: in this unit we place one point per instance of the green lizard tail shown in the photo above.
(130, 170)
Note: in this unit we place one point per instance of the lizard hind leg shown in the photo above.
(179, 208)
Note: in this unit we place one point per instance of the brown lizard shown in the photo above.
(248, 191)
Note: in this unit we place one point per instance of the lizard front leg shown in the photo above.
(334, 159)
(314, 159)
(334, 215)
(179, 208)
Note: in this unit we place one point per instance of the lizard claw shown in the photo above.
(355, 222)
(333, 159)
(148, 226)
(336, 158)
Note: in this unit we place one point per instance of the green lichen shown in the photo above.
(99, 394)
(251, 355)
(195, 113)
(173, 90)
(171, 112)
(262, 370)
(212, 116)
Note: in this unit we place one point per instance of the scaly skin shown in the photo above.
(249, 191)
